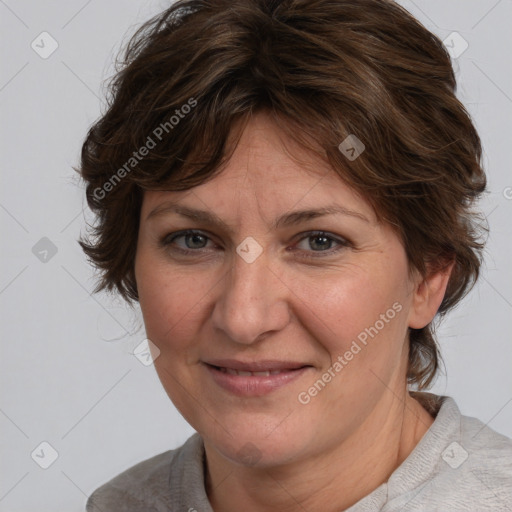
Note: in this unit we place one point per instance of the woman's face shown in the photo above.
(317, 305)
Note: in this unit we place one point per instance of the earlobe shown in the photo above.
(428, 295)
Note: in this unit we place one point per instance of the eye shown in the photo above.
(192, 241)
(314, 244)
(321, 243)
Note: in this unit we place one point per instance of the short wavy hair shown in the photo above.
(324, 70)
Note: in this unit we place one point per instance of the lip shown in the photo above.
(254, 385)
(256, 366)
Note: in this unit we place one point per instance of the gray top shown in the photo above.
(459, 465)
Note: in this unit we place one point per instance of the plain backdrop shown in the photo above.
(68, 374)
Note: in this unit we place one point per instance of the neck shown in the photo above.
(330, 481)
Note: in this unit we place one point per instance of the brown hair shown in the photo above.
(324, 70)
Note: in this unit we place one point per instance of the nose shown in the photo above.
(252, 301)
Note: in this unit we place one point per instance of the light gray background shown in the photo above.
(68, 373)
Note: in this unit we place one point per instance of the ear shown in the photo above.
(428, 294)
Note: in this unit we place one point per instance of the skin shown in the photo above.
(286, 305)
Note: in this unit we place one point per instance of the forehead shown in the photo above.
(268, 172)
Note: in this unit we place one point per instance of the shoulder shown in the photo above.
(488, 455)
(471, 464)
(481, 451)
(152, 484)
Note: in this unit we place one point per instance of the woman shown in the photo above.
(286, 188)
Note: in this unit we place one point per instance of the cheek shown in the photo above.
(346, 304)
(359, 323)
(171, 302)
(359, 320)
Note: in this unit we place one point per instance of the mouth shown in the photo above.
(242, 373)
(254, 378)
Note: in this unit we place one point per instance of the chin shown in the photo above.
(260, 444)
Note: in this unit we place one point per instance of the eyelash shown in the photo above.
(167, 240)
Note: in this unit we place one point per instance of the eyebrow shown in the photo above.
(286, 220)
